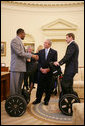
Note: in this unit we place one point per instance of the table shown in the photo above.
(4, 69)
(5, 85)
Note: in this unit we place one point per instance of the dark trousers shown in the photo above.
(26, 76)
(31, 77)
(67, 83)
(44, 85)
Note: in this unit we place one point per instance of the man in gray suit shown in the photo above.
(18, 62)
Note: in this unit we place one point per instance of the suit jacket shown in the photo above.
(52, 56)
(71, 59)
(18, 56)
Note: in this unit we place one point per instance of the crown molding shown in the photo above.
(44, 4)
(65, 25)
(58, 28)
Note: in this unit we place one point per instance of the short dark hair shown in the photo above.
(20, 30)
(71, 35)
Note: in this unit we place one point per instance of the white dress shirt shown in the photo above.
(46, 52)
(70, 42)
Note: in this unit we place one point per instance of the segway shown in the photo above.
(16, 105)
(65, 100)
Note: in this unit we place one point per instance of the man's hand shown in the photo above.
(44, 71)
(36, 57)
(47, 69)
(56, 63)
(29, 60)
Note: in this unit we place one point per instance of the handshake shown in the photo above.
(36, 57)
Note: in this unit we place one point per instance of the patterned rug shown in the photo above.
(50, 112)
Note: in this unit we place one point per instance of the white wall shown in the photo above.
(32, 19)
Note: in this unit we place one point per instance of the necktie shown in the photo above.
(46, 53)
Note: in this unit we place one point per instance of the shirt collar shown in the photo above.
(19, 38)
(70, 42)
(48, 49)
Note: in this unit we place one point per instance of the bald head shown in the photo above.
(47, 43)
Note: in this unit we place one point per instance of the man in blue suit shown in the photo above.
(46, 55)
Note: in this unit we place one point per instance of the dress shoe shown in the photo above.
(36, 102)
(55, 92)
(45, 103)
(34, 87)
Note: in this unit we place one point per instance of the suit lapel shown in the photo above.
(43, 54)
(21, 43)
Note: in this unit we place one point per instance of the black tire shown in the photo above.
(15, 105)
(75, 93)
(61, 94)
(26, 95)
(65, 103)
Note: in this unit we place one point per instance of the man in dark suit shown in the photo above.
(71, 61)
(46, 55)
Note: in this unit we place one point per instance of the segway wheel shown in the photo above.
(26, 95)
(75, 93)
(15, 105)
(65, 103)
